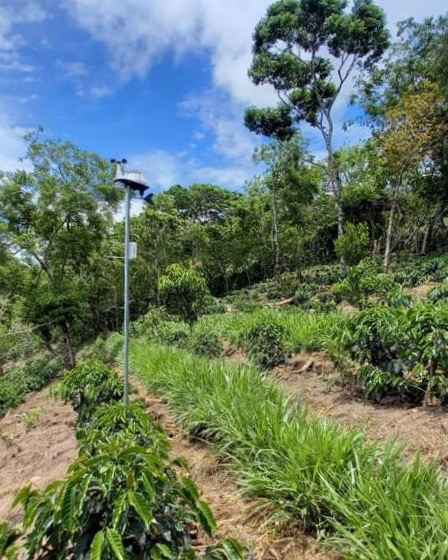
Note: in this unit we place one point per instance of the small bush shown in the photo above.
(353, 244)
(125, 502)
(129, 420)
(34, 375)
(408, 344)
(439, 293)
(265, 343)
(90, 385)
(304, 293)
(361, 282)
(206, 343)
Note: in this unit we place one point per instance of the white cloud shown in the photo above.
(73, 70)
(137, 33)
(164, 169)
(12, 145)
(12, 14)
(101, 91)
(28, 98)
(224, 119)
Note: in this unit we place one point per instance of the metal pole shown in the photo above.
(126, 296)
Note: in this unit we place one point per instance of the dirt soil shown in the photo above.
(37, 444)
(312, 378)
(235, 516)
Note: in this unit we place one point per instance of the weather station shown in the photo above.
(129, 181)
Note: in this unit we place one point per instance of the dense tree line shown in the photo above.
(385, 195)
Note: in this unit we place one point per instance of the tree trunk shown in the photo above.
(390, 224)
(341, 220)
(45, 334)
(275, 234)
(425, 240)
(71, 358)
(336, 187)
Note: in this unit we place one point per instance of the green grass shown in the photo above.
(305, 331)
(360, 497)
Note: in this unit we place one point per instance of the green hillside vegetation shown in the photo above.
(343, 254)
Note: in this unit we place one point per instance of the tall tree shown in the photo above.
(413, 131)
(307, 50)
(290, 184)
(55, 218)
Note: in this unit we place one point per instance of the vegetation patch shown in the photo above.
(122, 498)
(363, 498)
(34, 375)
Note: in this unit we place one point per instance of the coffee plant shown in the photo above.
(122, 499)
(111, 421)
(17, 383)
(8, 538)
(122, 502)
(89, 385)
(265, 343)
(405, 350)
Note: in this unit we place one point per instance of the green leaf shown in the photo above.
(141, 506)
(97, 546)
(22, 497)
(67, 513)
(119, 508)
(206, 517)
(232, 548)
(190, 490)
(162, 551)
(116, 544)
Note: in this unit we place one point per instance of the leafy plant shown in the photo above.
(439, 293)
(131, 420)
(184, 291)
(265, 343)
(353, 244)
(124, 502)
(8, 538)
(206, 343)
(89, 385)
(409, 344)
(34, 375)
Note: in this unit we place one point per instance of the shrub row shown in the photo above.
(123, 498)
(34, 375)
(361, 498)
(402, 350)
(267, 336)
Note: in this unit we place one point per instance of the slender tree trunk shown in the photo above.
(341, 223)
(275, 234)
(71, 358)
(425, 239)
(336, 187)
(45, 334)
(158, 287)
(390, 224)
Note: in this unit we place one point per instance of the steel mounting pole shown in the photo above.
(126, 296)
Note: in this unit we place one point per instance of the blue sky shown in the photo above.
(161, 82)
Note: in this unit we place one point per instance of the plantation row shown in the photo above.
(394, 345)
(34, 375)
(122, 499)
(360, 498)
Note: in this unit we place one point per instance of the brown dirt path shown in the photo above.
(235, 516)
(312, 378)
(37, 444)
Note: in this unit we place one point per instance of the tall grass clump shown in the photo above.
(364, 498)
